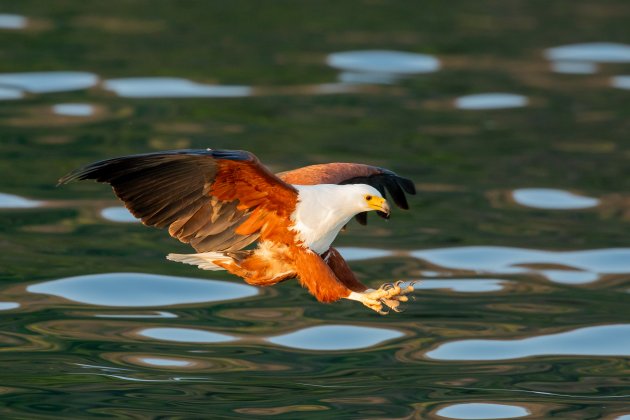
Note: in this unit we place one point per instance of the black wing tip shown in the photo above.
(407, 185)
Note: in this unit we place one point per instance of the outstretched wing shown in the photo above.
(354, 173)
(216, 200)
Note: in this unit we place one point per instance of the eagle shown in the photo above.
(222, 201)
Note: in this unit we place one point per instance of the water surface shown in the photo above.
(518, 235)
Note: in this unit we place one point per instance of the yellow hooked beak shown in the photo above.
(379, 204)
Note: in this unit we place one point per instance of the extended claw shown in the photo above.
(389, 294)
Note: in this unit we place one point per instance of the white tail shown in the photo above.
(205, 260)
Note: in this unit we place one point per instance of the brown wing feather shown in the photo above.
(203, 196)
(342, 271)
(382, 179)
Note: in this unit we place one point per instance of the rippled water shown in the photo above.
(512, 119)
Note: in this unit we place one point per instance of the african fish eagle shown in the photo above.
(221, 201)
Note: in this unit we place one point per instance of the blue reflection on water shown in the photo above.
(11, 21)
(552, 199)
(10, 201)
(598, 52)
(352, 253)
(507, 259)
(158, 361)
(491, 101)
(463, 285)
(570, 276)
(139, 290)
(380, 66)
(118, 214)
(383, 61)
(482, 411)
(335, 337)
(621, 82)
(574, 67)
(185, 335)
(5, 306)
(7, 93)
(49, 81)
(601, 340)
(73, 109)
(157, 314)
(172, 87)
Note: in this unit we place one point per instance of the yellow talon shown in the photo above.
(389, 294)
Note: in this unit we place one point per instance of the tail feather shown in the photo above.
(204, 260)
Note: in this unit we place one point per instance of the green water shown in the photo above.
(545, 289)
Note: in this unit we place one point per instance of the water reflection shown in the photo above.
(118, 214)
(464, 285)
(491, 101)
(162, 362)
(597, 52)
(11, 21)
(570, 276)
(574, 67)
(172, 87)
(74, 109)
(353, 254)
(621, 82)
(6, 306)
(156, 314)
(380, 66)
(141, 290)
(10, 201)
(552, 199)
(512, 260)
(49, 81)
(335, 337)
(7, 93)
(602, 340)
(185, 335)
(482, 411)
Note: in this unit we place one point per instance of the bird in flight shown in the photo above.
(221, 201)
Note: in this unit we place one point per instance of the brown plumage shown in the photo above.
(221, 201)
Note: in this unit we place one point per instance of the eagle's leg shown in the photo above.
(388, 294)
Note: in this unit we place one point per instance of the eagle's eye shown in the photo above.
(368, 197)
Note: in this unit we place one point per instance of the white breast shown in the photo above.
(322, 210)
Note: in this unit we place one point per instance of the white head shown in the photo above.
(362, 197)
(323, 209)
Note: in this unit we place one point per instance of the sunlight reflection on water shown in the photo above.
(482, 411)
(621, 82)
(172, 87)
(11, 21)
(552, 199)
(7, 93)
(353, 253)
(335, 337)
(74, 109)
(185, 335)
(483, 101)
(602, 340)
(49, 81)
(597, 52)
(158, 361)
(464, 285)
(508, 260)
(119, 214)
(141, 290)
(10, 201)
(380, 66)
